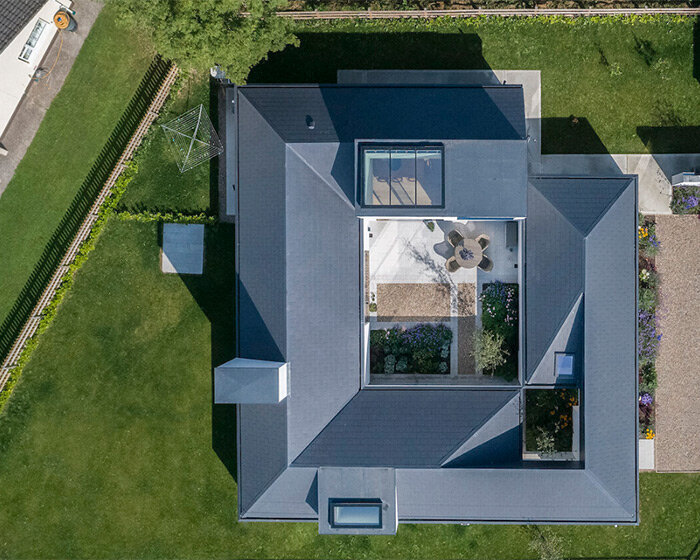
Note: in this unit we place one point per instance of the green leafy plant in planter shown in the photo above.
(488, 350)
(500, 316)
(544, 442)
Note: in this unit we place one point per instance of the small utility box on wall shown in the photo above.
(245, 381)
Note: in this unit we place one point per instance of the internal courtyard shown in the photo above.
(424, 272)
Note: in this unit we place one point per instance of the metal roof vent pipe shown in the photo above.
(310, 124)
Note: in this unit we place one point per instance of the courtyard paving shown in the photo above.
(678, 394)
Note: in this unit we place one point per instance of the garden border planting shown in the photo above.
(484, 12)
(549, 420)
(649, 334)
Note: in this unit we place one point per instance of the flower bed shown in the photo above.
(422, 349)
(500, 316)
(648, 334)
(549, 420)
(686, 200)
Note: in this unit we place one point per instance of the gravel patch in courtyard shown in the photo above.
(413, 302)
(678, 361)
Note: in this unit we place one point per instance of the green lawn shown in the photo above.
(58, 163)
(159, 185)
(629, 84)
(110, 448)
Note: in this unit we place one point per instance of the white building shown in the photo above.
(26, 32)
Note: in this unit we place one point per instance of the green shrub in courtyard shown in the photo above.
(488, 350)
(500, 315)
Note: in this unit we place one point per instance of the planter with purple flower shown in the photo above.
(649, 335)
(420, 349)
(686, 199)
(500, 308)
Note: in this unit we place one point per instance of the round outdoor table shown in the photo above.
(468, 253)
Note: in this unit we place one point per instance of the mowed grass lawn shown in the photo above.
(631, 84)
(159, 185)
(81, 118)
(110, 447)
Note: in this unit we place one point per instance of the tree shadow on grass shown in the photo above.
(214, 293)
(69, 225)
(320, 55)
(570, 135)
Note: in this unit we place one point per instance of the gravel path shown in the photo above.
(678, 361)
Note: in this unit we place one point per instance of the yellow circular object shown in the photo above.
(61, 19)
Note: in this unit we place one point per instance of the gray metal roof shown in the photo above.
(14, 16)
(482, 130)
(610, 379)
(554, 273)
(298, 268)
(348, 113)
(515, 495)
(402, 428)
(495, 444)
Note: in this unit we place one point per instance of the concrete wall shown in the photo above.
(17, 74)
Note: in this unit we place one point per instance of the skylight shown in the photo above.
(402, 175)
(356, 514)
(564, 364)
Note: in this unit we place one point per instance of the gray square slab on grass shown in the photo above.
(183, 249)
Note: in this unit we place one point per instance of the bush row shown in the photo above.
(175, 217)
(447, 23)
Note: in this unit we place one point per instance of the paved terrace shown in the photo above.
(678, 393)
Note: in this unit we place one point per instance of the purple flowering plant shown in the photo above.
(499, 315)
(500, 301)
(649, 335)
(686, 199)
(423, 348)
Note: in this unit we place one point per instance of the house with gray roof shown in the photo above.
(26, 32)
(385, 235)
